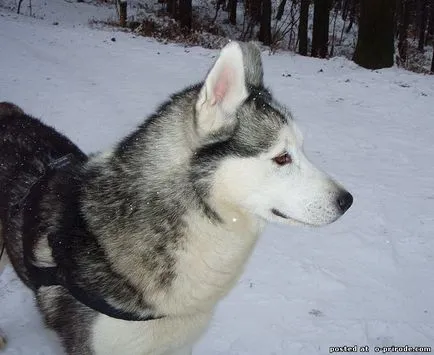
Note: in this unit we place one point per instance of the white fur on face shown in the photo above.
(298, 190)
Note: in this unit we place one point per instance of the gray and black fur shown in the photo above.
(86, 208)
(112, 224)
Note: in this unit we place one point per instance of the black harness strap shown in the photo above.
(55, 276)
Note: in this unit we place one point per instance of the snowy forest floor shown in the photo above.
(366, 280)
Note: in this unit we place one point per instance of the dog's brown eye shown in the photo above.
(283, 159)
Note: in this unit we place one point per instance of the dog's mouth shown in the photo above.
(291, 220)
(279, 214)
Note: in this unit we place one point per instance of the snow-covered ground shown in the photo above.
(366, 280)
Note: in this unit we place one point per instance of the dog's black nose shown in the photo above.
(345, 200)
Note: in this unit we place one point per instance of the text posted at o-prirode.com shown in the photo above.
(379, 349)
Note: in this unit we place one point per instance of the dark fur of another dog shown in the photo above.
(27, 147)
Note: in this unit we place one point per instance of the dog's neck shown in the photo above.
(203, 257)
(186, 249)
(211, 261)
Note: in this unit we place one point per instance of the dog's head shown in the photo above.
(251, 155)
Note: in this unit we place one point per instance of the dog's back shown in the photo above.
(27, 146)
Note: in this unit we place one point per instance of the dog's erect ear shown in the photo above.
(223, 92)
(253, 63)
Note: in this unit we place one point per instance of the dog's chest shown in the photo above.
(209, 265)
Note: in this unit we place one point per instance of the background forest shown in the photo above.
(374, 33)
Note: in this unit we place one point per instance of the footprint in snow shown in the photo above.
(316, 312)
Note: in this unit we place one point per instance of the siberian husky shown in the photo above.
(128, 252)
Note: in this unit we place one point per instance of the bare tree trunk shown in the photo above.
(432, 62)
(253, 8)
(219, 4)
(430, 32)
(171, 8)
(404, 15)
(345, 8)
(332, 46)
(423, 20)
(303, 26)
(252, 15)
(280, 10)
(375, 42)
(416, 14)
(185, 14)
(122, 13)
(233, 12)
(320, 33)
(353, 13)
(19, 6)
(265, 28)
